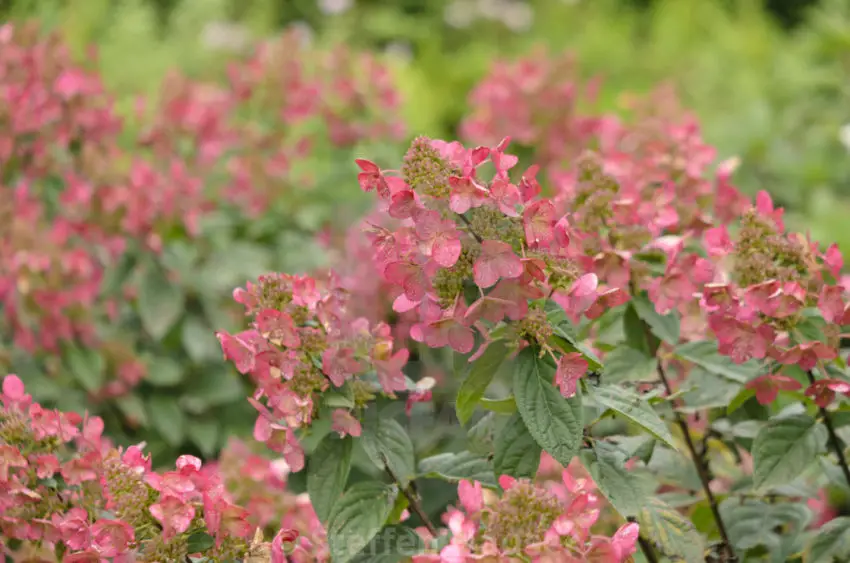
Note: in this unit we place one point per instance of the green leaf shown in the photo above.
(499, 406)
(204, 434)
(393, 544)
(625, 363)
(160, 302)
(456, 466)
(607, 467)
(670, 531)
(327, 473)
(200, 541)
(211, 388)
(167, 418)
(87, 367)
(480, 438)
(742, 397)
(164, 372)
(704, 353)
(481, 373)
(199, 340)
(517, 454)
(357, 517)
(388, 444)
(636, 333)
(635, 408)
(665, 327)
(752, 523)
(133, 409)
(555, 423)
(830, 543)
(784, 448)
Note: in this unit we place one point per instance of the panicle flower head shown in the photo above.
(529, 521)
(303, 344)
(67, 494)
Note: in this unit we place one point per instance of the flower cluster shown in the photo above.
(87, 189)
(67, 495)
(303, 346)
(468, 253)
(530, 521)
(260, 485)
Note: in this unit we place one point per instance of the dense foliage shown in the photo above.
(575, 335)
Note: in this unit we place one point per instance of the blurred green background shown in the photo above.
(768, 79)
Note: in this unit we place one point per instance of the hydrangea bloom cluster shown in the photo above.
(260, 485)
(86, 189)
(67, 495)
(531, 522)
(538, 100)
(469, 253)
(303, 344)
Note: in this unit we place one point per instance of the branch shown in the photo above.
(701, 467)
(647, 550)
(412, 500)
(833, 437)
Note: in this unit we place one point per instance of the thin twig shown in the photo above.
(412, 501)
(468, 224)
(833, 437)
(700, 465)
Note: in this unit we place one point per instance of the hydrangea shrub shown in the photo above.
(124, 231)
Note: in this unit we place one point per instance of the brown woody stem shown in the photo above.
(412, 500)
(833, 437)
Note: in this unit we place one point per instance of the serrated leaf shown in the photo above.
(517, 453)
(704, 353)
(831, 543)
(327, 473)
(625, 363)
(607, 467)
(752, 523)
(167, 418)
(393, 544)
(387, 443)
(633, 407)
(160, 302)
(164, 372)
(784, 448)
(357, 517)
(670, 531)
(204, 434)
(456, 466)
(554, 422)
(87, 367)
(481, 373)
(665, 327)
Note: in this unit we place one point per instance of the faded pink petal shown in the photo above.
(571, 368)
(471, 496)
(344, 423)
(497, 260)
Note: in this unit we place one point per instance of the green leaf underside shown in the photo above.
(606, 465)
(785, 447)
(633, 407)
(671, 532)
(456, 466)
